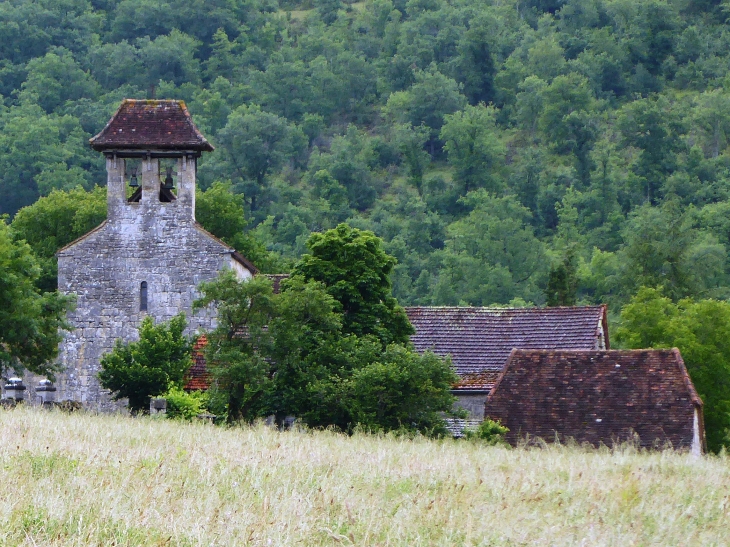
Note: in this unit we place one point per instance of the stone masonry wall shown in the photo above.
(149, 241)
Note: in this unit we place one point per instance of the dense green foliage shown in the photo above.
(490, 432)
(355, 270)
(480, 140)
(55, 221)
(507, 152)
(701, 331)
(150, 366)
(184, 405)
(302, 353)
(30, 321)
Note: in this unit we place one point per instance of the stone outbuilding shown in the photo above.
(150, 254)
(599, 397)
(479, 340)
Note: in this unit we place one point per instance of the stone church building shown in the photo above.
(150, 254)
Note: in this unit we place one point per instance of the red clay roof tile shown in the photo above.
(597, 397)
(198, 377)
(479, 340)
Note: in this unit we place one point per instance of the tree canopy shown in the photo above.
(396, 117)
(31, 321)
(325, 356)
(701, 331)
(150, 366)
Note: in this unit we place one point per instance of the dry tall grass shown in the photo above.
(106, 480)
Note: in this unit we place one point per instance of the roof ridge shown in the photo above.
(80, 238)
(236, 255)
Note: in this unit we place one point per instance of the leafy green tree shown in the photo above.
(56, 220)
(30, 321)
(169, 58)
(355, 270)
(39, 153)
(529, 103)
(474, 147)
(56, 78)
(327, 10)
(653, 127)
(221, 211)
(255, 142)
(286, 354)
(285, 88)
(133, 18)
(149, 367)
(701, 331)
(237, 348)
(410, 142)
(350, 161)
(562, 287)
(712, 117)
(475, 63)
(663, 248)
(402, 390)
(426, 102)
(491, 255)
(566, 121)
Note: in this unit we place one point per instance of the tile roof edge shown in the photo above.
(696, 399)
(499, 379)
(106, 126)
(194, 127)
(238, 257)
(81, 238)
(207, 146)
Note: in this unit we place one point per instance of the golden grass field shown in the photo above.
(83, 479)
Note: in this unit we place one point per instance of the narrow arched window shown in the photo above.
(143, 296)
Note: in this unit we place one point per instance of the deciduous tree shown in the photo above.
(30, 321)
(701, 331)
(150, 366)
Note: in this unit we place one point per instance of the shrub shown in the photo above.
(182, 405)
(489, 431)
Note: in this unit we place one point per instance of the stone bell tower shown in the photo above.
(150, 254)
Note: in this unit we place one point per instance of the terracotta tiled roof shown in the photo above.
(482, 381)
(597, 396)
(150, 124)
(276, 280)
(198, 377)
(479, 340)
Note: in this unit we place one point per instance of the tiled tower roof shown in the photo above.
(151, 124)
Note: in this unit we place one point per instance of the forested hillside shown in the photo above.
(507, 151)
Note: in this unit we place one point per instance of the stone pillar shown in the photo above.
(186, 185)
(115, 186)
(150, 180)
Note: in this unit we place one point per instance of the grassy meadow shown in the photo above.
(84, 479)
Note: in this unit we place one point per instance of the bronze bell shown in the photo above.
(133, 180)
(169, 183)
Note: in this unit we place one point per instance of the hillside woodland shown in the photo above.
(508, 152)
(486, 142)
